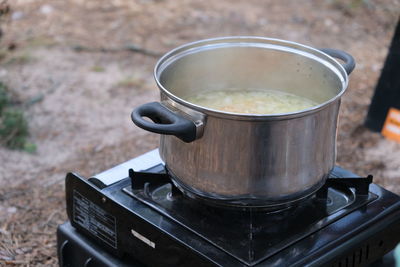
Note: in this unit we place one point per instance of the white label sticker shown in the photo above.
(143, 238)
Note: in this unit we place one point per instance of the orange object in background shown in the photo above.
(391, 128)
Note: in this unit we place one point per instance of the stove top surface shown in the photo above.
(248, 234)
(154, 219)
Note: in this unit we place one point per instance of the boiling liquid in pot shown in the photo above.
(252, 101)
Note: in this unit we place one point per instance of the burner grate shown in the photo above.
(360, 184)
(157, 176)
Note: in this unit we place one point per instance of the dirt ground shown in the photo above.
(81, 101)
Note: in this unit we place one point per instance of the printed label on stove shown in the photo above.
(94, 219)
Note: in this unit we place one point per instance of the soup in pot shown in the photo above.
(252, 101)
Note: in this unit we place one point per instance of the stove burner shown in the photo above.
(157, 176)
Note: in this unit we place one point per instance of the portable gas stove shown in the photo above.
(133, 215)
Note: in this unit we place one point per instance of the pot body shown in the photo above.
(247, 159)
(262, 163)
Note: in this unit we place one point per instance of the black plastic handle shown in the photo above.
(349, 62)
(164, 121)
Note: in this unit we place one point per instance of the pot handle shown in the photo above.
(349, 62)
(164, 121)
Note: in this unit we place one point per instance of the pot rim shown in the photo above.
(254, 41)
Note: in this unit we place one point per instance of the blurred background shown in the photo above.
(72, 71)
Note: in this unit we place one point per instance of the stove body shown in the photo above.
(122, 217)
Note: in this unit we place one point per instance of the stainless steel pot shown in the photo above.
(247, 159)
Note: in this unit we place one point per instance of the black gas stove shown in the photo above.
(133, 215)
